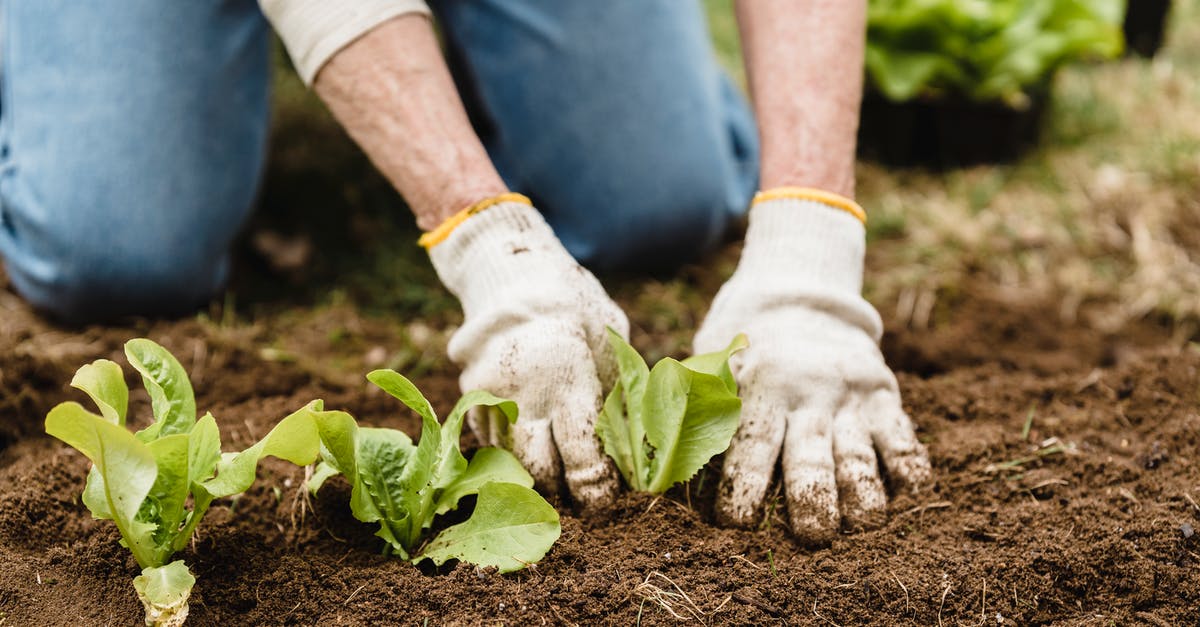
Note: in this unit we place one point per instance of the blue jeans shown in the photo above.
(133, 134)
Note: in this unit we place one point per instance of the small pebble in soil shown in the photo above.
(1154, 457)
(1187, 531)
(376, 357)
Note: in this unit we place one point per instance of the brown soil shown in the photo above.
(1103, 533)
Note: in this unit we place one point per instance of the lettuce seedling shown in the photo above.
(404, 486)
(144, 481)
(661, 426)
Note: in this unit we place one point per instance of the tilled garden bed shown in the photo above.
(1066, 482)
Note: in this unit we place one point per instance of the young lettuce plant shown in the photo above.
(404, 486)
(143, 481)
(661, 425)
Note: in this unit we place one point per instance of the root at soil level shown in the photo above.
(1066, 481)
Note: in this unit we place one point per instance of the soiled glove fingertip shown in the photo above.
(594, 491)
(599, 504)
(859, 521)
(735, 519)
(740, 496)
(811, 528)
(910, 473)
(545, 468)
(814, 519)
(813, 538)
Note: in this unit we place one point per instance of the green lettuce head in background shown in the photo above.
(984, 50)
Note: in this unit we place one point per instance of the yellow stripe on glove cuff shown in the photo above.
(809, 193)
(439, 235)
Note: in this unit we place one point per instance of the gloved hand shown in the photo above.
(813, 381)
(534, 332)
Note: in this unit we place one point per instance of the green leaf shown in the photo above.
(164, 592)
(124, 465)
(400, 387)
(512, 527)
(340, 452)
(488, 465)
(170, 390)
(204, 449)
(451, 463)
(416, 480)
(322, 473)
(171, 486)
(201, 499)
(613, 428)
(339, 438)
(632, 369)
(95, 495)
(694, 418)
(103, 381)
(621, 425)
(717, 363)
(410, 486)
(384, 458)
(294, 439)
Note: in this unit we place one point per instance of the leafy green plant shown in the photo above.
(661, 425)
(984, 50)
(144, 481)
(404, 486)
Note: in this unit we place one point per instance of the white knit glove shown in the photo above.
(534, 332)
(813, 381)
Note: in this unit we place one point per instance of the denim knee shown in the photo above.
(105, 262)
(129, 153)
(91, 295)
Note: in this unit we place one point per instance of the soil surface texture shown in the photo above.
(1066, 486)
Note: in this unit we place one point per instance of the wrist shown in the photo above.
(805, 243)
(443, 231)
(435, 208)
(502, 249)
(830, 199)
(834, 178)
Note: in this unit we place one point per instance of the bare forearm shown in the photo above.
(392, 92)
(805, 63)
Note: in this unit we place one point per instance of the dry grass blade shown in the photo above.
(926, 507)
(352, 594)
(300, 500)
(672, 598)
(1192, 501)
(1048, 482)
(742, 558)
(907, 603)
(946, 586)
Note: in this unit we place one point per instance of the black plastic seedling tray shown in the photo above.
(947, 132)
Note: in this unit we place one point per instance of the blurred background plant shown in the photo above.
(984, 50)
